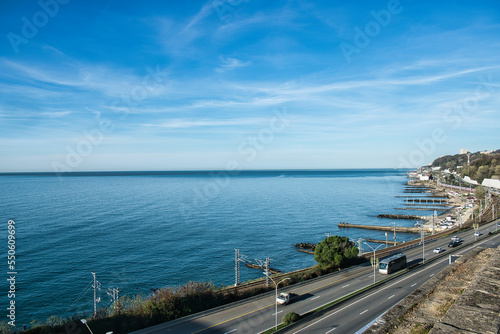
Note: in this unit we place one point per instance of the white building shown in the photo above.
(491, 183)
(471, 181)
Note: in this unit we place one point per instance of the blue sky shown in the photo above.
(173, 85)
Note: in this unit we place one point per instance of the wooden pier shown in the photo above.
(425, 200)
(443, 208)
(399, 229)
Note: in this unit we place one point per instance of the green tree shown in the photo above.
(479, 192)
(290, 318)
(336, 251)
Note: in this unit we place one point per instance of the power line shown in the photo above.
(80, 296)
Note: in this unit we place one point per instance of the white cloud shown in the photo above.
(229, 63)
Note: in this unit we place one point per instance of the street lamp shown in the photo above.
(422, 239)
(374, 262)
(276, 298)
(85, 323)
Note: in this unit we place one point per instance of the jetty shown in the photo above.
(305, 250)
(399, 229)
(443, 208)
(305, 247)
(393, 216)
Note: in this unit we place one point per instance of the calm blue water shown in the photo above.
(143, 231)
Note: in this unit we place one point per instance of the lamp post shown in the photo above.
(85, 323)
(422, 239)
(374, 264)
(276, 297)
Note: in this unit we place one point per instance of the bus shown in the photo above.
(392, 264)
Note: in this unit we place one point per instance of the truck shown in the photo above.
(285, 298)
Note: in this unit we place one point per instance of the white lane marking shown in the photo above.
(278, 312)
(371, 294)
(345, 286)
(368, 296)
(234, 330)
(315, 297)
(370, 276)
(413, 285)
(363, 312)
(331, 330)
(390, 297)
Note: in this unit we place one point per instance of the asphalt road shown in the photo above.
(258, 314)
(356, 315)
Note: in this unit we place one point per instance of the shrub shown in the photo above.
(290, 318)
(335, 251)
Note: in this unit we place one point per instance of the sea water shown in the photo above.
(140, 231)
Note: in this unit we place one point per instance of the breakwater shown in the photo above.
(399, 229)
(393, 216)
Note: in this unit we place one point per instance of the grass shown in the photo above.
(421, 328)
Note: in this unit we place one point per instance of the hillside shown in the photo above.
(481, 165)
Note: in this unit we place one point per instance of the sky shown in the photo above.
(245, 84)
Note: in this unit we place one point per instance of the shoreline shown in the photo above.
(453, 211)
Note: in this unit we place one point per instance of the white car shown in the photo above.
(438, 250)
(477, 234)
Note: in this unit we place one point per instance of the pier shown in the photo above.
(443, 208)
(421, 200)
(398, 216)
(399, 229)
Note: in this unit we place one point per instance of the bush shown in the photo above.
(290, 318)
(335, 251)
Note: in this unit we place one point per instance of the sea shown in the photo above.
(139, 231)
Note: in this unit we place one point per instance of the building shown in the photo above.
(491, 183)
(463, 151)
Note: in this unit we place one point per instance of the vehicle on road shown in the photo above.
(454, 243)
(477, 234)
(392, 264)
(438, 250)
(286, 298)
(457, 239)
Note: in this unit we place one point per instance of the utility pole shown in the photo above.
(385, 239)
(96, 286)
(113, 293)
(236, 267)
(434, 215)
(394, 233)
(422, 239)
(268, 273)
(360, 245)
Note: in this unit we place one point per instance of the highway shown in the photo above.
(257, 314)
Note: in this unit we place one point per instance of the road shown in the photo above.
(257, 314)
(358, 313)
